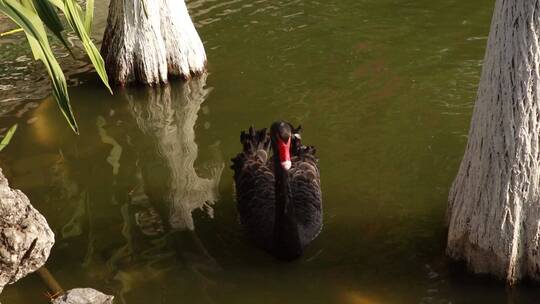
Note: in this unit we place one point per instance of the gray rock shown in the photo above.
(25, 237)
(83, 296)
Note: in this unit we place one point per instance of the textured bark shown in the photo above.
(25, 237)
(149, 40)
(494, 207)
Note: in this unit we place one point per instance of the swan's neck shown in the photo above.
(282, 188)
(286, 236)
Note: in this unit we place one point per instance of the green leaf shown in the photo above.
(73, 14)
(7, 138)
(48, 14)
(37, 37)
(11, 32)
(89, 16)
(32, 16)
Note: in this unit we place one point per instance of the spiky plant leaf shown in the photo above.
(89, 16)
(49, 15)
(73, 13)
(34, 29)
(7, 138)
(11, 32)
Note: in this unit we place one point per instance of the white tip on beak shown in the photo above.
(286, 164)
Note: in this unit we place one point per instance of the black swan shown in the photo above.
(279, 202)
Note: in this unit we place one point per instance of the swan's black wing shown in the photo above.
(306, 189)
(254, 181)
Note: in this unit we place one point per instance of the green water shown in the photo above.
(383, 88)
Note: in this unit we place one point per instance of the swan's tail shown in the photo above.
(256, 143)
(255, 140)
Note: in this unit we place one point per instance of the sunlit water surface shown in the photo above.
(383, 88)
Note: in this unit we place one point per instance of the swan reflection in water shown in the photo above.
(169, 187)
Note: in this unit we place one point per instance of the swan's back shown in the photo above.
(306, 193)
(254, 183)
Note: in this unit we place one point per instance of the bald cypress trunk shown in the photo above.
(147, 41)
(494, 207)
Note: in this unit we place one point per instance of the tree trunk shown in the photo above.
(494, 207)
(149, 40)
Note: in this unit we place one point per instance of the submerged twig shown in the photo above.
(48, 279)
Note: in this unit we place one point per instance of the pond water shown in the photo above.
(383, 88)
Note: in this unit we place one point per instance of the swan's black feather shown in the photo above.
(255, 182)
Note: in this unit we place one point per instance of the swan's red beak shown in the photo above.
(284, 153)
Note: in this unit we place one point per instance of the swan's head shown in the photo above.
(281, 133)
